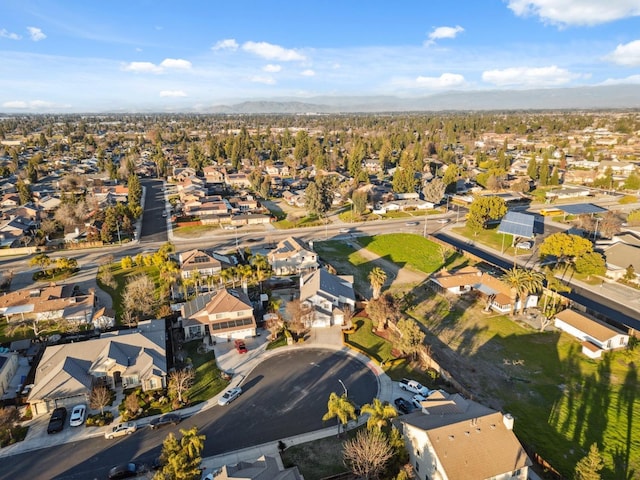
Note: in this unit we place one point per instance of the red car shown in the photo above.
(240, 346)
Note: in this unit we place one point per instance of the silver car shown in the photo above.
(121, 429)
(229, 396)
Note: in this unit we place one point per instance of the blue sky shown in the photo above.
(91, 56)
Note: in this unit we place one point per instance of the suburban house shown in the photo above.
(619, 256)
(66, 373)
(498, 295)
(292, 256)
(595, 335)
(326, 296)
(223, 315)
(264, 468)
(55, 302)
(454, 438)
(198, 261)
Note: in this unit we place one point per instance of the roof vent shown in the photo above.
(451, 438)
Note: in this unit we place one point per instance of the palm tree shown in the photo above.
(515, 278)
(534, 282)
(377, 277)
(341, 408)
(226, 275)
(379, 414)
(262, 266)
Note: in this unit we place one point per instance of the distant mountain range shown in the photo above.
(580, 98)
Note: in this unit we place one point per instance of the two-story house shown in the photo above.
(123, 359)
(223, 315)
(325, 297)
(198, 261)
(452, 437)
(291, 257)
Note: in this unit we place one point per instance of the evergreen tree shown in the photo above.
(532, 168)
(544, 172)
(588, 468)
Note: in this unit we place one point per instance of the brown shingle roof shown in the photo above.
(592, 327)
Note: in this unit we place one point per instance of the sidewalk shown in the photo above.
(230, 361)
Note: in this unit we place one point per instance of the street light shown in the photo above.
(346, 394)
(595, 233)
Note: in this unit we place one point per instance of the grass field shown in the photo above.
(409, 249)
(346, 260)
(208, 381)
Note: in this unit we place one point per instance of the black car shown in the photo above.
(402, 405)
(58, 417)
(126, 470)
(165, 419)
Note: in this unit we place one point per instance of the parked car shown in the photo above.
(240, 346)
(77, 415)
(56, 422)
(417, 400)
(402, 405)
(166, 419)
(126, 470)
(413, 387)
(229, 396)
(121, 429)
(523, 245)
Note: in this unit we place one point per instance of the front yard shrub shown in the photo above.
(99, 419)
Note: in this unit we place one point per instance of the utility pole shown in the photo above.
(346, 394)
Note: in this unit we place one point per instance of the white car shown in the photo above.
(121, 429)
(417, 400)
(442, 220)
(524, 245)
(77, 415)
(229, 396)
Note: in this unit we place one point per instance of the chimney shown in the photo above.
(507, 418)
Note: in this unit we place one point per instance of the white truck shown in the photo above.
(413, 387)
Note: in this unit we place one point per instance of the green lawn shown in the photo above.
(491, 238)
(208, 380)
(346, 260)
(409, 249)
(195, 230)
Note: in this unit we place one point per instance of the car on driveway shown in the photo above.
(166, 419)
(402, 405)
(229, 396)
(56, 422)
(417, 400)
(241, 347)
(121, 429)
(126, 470)
(77, 415)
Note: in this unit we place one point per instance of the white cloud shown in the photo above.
(308, 73)
(262, 79)
(227, 44)
(627, 54)
(166, 64)
(36, 34)
(31, 105)
(142, 67)
(622, 81)
(446, 80)
(177, 63)
(575, 12)
(529, 77)
(443, 32)
(173, 93)
(4, 33)
(272, 52)
(271, 68)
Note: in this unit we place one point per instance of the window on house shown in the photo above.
(417, 466)
(194, 331)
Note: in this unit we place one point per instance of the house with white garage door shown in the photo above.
(596, 335)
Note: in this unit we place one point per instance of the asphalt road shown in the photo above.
(154, 226)
(285, 395)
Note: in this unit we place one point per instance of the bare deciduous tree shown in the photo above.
(8, 418)
(367, 454)
(139, 295)
(100, 397)
(131, 404)
(180, 381)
